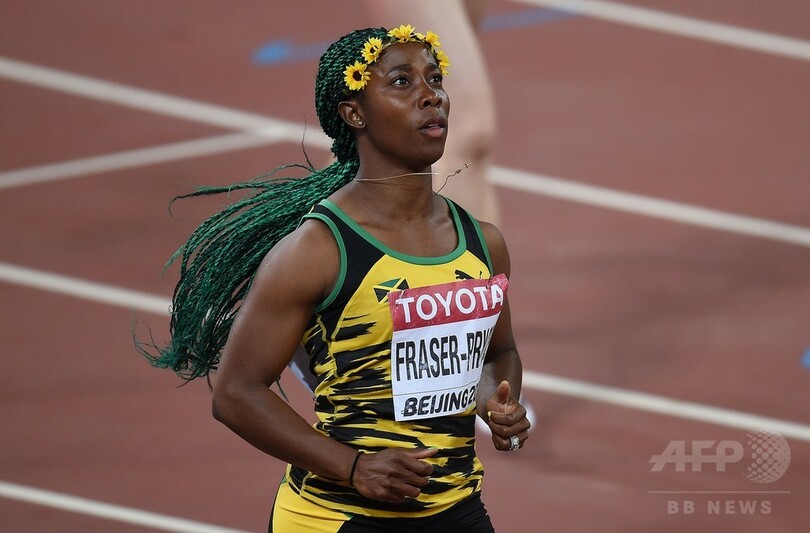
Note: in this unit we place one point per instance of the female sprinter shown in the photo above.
(396, 293)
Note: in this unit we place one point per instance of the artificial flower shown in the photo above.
(402, 34)
(356, 76)
(372, 49)
(444, 62)
(432, 39)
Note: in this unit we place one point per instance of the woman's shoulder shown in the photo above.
(307, 259)
(311, 242)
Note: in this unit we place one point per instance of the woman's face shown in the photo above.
(404, 107)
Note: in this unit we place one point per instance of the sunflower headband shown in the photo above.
(357, 75)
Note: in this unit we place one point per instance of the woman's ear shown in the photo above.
(351, 115)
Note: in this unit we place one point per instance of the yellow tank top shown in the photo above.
(349, 343)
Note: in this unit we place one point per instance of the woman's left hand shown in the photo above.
(507, 419)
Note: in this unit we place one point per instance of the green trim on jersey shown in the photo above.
(415, 259)
(341, 249)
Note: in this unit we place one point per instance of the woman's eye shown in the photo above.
(437, 78)
(401, 80)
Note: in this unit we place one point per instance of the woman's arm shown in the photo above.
(502, 374)
(297, 274)
(292, 279)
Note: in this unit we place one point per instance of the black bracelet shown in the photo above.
(354, 467)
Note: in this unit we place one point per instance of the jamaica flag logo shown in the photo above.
(381, 290)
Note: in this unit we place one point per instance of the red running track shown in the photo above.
(613, 298)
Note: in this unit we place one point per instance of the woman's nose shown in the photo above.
(431, 97)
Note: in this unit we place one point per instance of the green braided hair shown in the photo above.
(220, 258)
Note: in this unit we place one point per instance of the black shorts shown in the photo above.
(292, 513)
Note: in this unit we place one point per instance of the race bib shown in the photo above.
(441, 336)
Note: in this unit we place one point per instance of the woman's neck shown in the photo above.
(399, 194)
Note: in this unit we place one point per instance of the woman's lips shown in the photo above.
(434, 130)
(434, 127)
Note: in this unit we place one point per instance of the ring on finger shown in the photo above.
(514, 443)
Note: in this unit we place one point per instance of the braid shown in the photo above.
(220, 258)
(330, 89)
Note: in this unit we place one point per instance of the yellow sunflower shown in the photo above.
(444, 62)
(372, 49)
(402, 34)
(356, 76)
(432, 39)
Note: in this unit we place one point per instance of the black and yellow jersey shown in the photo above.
(348, 341)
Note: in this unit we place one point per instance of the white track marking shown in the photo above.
(135, 158)
(118, 513)
(155, 102)
(663, 22)
(86, 290)
(648, 206)
(662, 405)
(505, 177)
(288, 131)
(132, 300)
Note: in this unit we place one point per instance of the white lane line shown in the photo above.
(662, 405)
(164, 104)
(280, 130)
(86, 290)
(135, 158)
(132, 300)
(505, 177)
(648, 206)
(661, 21)
(118, 513)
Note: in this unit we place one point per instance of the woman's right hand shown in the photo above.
(394, 474)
